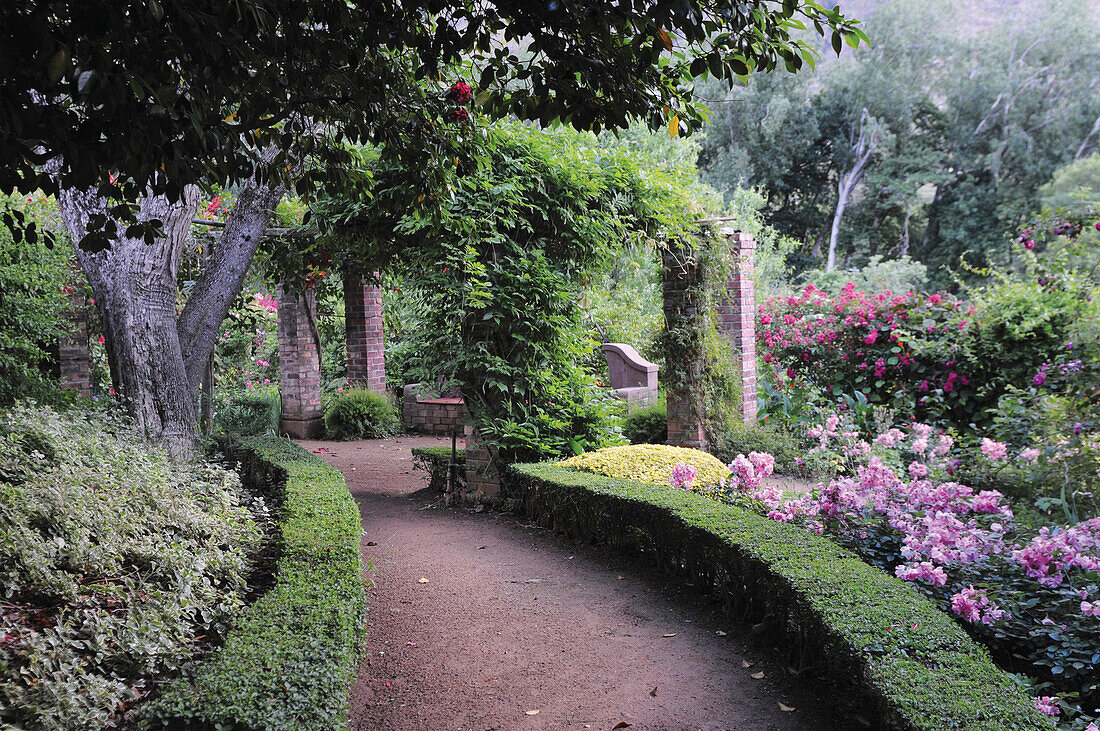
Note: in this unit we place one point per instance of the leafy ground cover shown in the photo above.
(117, 566)
(290, 658)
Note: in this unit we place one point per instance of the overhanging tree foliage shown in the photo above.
(122, 107)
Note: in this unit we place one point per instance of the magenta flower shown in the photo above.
(1048, 705)
(974, 606)
(683, 474)
(1040, 378)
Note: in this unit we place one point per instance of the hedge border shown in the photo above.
(434, 461)
(910, 665)
(290, 659)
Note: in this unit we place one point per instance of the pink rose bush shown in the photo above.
(895, 348)
(1032, 598)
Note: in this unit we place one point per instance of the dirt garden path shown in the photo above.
(516, 628)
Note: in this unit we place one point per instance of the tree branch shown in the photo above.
(224, 275)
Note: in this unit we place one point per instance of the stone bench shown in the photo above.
(633, 377)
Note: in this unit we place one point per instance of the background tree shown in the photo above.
(979, 105)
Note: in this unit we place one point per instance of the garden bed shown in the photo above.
(909, 665)
(290, 659)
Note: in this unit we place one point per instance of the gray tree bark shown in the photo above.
(157, 359)
(134, 283)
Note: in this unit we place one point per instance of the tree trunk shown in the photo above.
(862, 149)
(134, 283)
(158, 361)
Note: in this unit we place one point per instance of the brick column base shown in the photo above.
(482, 470)
(299, 366)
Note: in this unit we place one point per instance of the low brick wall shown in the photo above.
(437, 416)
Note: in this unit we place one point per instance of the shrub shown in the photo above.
(896, 275)
(935, 357)
(739, 438)
(249, 415)
(34, 283)
(360, 414)
(648, 425)
(648, 463)
(117, 565)
(289, 661)
(915, 667)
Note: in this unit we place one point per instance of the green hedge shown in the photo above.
(434, 461)
(910, 666)
(290, 659)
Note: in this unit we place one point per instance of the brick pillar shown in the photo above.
(299, 366)
(366, 345)
(737, 316)
(73, 358)
(679, 277)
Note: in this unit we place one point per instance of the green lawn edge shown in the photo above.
(291, 656)
(910, 666)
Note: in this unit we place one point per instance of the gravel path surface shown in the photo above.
(478, 621)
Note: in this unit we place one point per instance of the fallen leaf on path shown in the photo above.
(747, 664)
(757, 676)
(481, 547)
(422, 580)
(671, 634)
(653, 692)
(785, 708)
(620, 724)
(410, 644)
(534, 712)
(620, 578)
(720, 633)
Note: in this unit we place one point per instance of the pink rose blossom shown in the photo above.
(1048, 705)
(683, 475)
(994, 451)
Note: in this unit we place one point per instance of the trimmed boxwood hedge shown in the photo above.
(434, 461)
(910, 665)
(290, 659)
